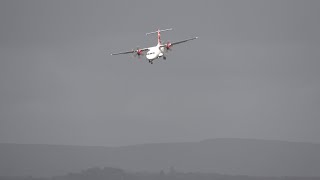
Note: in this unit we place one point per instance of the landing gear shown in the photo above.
(164, 58)
(151, 62)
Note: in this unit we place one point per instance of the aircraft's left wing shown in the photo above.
(132, 51)
(183, 41)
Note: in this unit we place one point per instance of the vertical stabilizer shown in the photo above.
(159, 35)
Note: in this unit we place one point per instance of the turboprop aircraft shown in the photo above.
(155, 52)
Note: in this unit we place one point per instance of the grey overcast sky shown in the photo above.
(253, 72)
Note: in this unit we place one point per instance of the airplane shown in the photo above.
(157, 51)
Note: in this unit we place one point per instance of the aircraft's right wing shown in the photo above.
(132, 51)
(127, 52)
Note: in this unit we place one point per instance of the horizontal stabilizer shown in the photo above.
(159, 31)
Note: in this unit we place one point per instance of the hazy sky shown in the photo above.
(253, 72)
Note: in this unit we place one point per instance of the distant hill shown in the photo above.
(119, 174)
(224, 156)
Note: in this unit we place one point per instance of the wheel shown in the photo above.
(164, 58)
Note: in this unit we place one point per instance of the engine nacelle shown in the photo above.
(139, 52)
(168, 45)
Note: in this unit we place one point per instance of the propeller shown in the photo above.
(168, 46)
(138, 52)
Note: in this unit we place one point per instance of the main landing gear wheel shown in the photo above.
(150, 62)
(164, 58)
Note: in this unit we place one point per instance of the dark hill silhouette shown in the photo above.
(119, 174)
(225, 156)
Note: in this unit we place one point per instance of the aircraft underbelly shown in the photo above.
(154, 55)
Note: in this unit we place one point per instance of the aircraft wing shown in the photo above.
(179, 42)
(132, 51)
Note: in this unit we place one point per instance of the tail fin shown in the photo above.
(158, 32)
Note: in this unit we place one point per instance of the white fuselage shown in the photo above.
(155, 52)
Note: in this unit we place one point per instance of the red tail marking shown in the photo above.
(159, 40)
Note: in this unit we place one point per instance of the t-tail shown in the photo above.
(158, 32)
